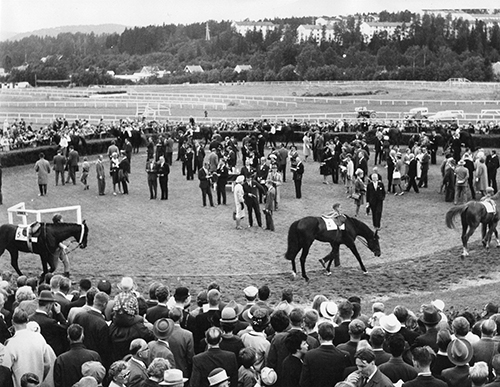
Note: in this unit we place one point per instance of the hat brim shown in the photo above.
(431, 322)
(464, 361)
(184, 380)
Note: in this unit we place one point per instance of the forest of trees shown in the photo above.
(427, 47)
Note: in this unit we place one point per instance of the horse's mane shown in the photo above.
(364, 229)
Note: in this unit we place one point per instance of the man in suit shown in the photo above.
(204, 321)
(96, 329)
(124, 167)
(325, 365)
(84, 286)
(214, 357)
(345, 311)
(161, 309)
(422, 359)
(73, 158)
(430, 318)
(181, 343)
(206, 185)
(251, 191)
(68, 366)
(160, 347)
(281, 161)
(492, 164)
(375, 195)
(138, 363)
(152, 171)
(412, 174)
(59, 165)
(55, 288)
(368, 375)
(262, 173)
(52, 329)
(163, 171)
(101, 175)
(199, 156)
(396, 368)
(297, 169)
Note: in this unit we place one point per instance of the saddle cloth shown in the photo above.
(331, 225)
(490, 207)
(22, 233)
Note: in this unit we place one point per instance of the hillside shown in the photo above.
(84, 29)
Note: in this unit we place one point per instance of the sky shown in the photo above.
(29, 15)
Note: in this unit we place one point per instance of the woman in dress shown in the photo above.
(307, 145)
(398, 173)
(114, 166)
(239, 201)
(359, 190)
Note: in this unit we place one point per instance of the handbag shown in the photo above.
(355, 196)
(396, 175)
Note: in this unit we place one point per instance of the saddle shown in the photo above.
(490, 206)
(334, 221)
(29, 233)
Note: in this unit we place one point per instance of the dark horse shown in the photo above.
(303, 232)
(473, 214)
(49, 236)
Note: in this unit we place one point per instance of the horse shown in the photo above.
(49, 236)
(472, 215)
(303, 232)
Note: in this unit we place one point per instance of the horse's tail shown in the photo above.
(293, 241)
(453, 212)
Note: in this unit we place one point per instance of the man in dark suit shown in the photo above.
(81, 300)
(206, 185)
(73, 158)
(412, 174)
(101, 175)
(181, 343)
(160, 310)
(368, 375)
(59, 165)
(199, 156)
(345, 311)
(375, 195)
(52, 329)
(96, 329)
(204, 321)
(492, 164)
(163, 171)
(152, 171)
(124, 167)
(325, 365)
(68, 366)
(430, 318)
(422, 359)
(214, 357)
(297, 169)
(282, 158)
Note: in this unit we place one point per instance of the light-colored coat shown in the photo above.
(42, 168)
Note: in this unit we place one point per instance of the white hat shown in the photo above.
(268, 376)
(173, 377)
(439, 304)
(217, 376)
(250, 291)
(126, 284)
(240, 179)
(328, 309)
(390, 323)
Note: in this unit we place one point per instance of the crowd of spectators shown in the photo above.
(104, 334)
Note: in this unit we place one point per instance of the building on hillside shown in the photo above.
(239, 68)
(327, 21)
(369, 29)
(3, 73)
(315, 32)
(192, 69)
(243, 27)
(489, 18)
(23, 67)
(146, 72)
(496, 70)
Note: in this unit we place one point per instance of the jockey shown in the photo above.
(60, 252)
(487, 198)
(335, 213)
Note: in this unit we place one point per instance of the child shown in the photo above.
(247, 375)
(269, 207)
(85, 173)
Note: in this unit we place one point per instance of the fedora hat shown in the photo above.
(163, 328)
(248, 313)
(430, 315)
(228, 315)
(217, 376)
(439, 304)
(328, 309)
(390, 323)
(172, 377)
(268, 376)
(47, 296)
(459, 351)
(233, 304)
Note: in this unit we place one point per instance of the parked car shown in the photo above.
(420, 113)
(363, 112)
(446, 115)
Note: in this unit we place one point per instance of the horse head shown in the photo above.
(83, 240)
(374, 245)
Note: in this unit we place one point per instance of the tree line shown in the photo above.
(426, 47)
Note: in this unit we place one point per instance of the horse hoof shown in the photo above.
(328, 273)
(366, 273)
(294, 275)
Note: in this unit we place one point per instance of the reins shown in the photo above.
(68, 251)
